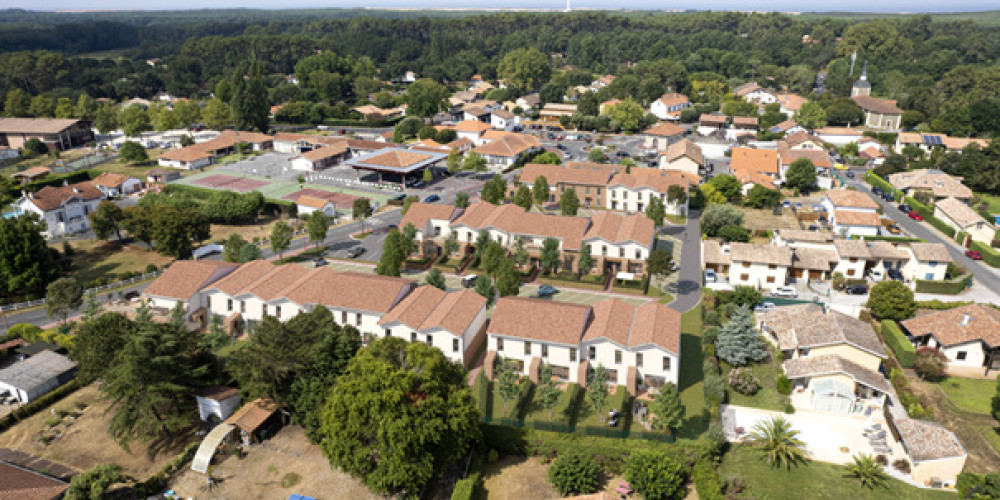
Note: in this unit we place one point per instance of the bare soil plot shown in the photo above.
(260, 229)
(765, 220)
(285, 464)
(517, 478)
(95, 259)
(85, 442)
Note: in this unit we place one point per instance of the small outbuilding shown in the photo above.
(256, 420)
(31, 378)
(217, 403)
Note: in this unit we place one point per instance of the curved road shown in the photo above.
(689, 279)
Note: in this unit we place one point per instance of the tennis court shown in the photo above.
(229, 182)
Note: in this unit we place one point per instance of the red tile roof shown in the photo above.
(536, 319)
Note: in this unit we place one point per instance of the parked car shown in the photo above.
(432, 198)
(894, 274)
(888, 197)
(813, 227)
(974, 255)
(784, 291)
(356, 252)
(894, 229)
(131, 295)
(710, 276)
(763, 307)
(877, 190)
(903, 207)
(469, 280)
(319, 262)
(849, 174)
(547, 291)
(856, 290)
(915, 216)
(786, 204)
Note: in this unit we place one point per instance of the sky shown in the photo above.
(772, 5)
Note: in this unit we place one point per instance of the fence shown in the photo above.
(95, 290)
(84, 162)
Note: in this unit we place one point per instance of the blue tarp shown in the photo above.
(295, 496)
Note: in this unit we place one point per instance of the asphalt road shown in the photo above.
(982, 272)
(689, 279)
(40, 317)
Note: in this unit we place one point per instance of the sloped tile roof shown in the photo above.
(957, 326)
(537, 319)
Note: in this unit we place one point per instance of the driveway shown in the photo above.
(983, 273)
(689, 276)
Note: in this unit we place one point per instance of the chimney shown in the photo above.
(966, 319)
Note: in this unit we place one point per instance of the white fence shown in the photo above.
(97, 290)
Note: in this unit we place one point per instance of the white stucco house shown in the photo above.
(63, 209)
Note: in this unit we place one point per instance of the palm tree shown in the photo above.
(779, 442)
(867, 469)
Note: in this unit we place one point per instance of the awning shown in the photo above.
(203, 457)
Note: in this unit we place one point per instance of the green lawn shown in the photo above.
(816, 481)
(664, 297)
(992, 200)
(691, 377)
(564, 412)
(969, 394)
(588, 415)
(767, 398)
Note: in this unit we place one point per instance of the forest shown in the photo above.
(944, 72)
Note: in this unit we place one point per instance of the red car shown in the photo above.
(974, 255)
(915, 216)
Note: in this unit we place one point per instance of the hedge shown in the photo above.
(990, 256)
(940, 305)
(898, 342)
(947, 287)
(928, 213)
(58, 180)
(467, 489)
(38, 405)
(920, 208)
(881, 183)
(707, 481)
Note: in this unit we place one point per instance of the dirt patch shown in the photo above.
(84, 441)
(284, 464)
(260, 229)
(516, 478)
(94, 259)
(969, 427)
(765, 220)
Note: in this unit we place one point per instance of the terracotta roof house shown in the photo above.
(755, 166)
(506, 150)
(55, 133)
(661, 134)
(803, 140)
(589, 180)
(710, 120)
(961, 217)
(969, 336)
(852, 213)
(183, 282)
(116, 184)
(820, 331)
(758, 266)
(937, 455)
(19, 483)
(791, 103)
(31, 174)
(879, 113)
(64, 209)
(669, 106)
(935, 182)
(451, 321)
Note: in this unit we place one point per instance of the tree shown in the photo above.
(107, 220)
(597, 390)
(106, 118)
(575, 472)
(659, 262)
(217, 114)
(454, 161)
(17, 104)
(727, 185)
(408, 239)
(779, 442)
(177, 315)
(151, 382)
(667, 409)
(491, 258)
(133, 152)
(522, 197)
(251, 108)
(891, 299)
(474, 162)
(428, 176)
(91, 307)
(676, 194)
(494, 190)
(801, 175)
(97, 341)
(484, 287)
(317, 225)
(546, 158)
(63, 295)
(655, 475)
(508, 280)
(232, 247)
(462, 199)
(425, 97)
(540, 190)
(547, 390)
(524, 69)
(281, 238)
(811, 115)
(738, 342)
(393, 255)
(450, 245)
(93, 484)
(435, 278)
(569, 204)
(762, 197)
(134, 120)
(746, 296)
(866, 469)
(655, 211)
(521, 257)
(508, 383)
(706, 194)
(715, 217)
(930, 363)
(893, 163)
(596, 155)
(628, 114)
(27, 264)
(408, 128)
(734, 233)
(586, 262)
(42, 107)
(549, 254)
(397, 416)
(361, 210)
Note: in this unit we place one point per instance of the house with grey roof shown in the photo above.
(31, 378)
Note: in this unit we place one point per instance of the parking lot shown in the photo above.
(580, 296)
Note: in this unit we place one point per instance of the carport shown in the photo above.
(206, 450)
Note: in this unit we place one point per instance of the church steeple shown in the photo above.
(862, 87)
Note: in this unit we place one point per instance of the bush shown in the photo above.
(949, 287)
(468, 488)
(743, 381)
(707, 481)
(789, 409)
(990, 256)
(899, 343)
(902, 465)
(940, 305)
(929, 363)
(891, 300)
(575, 472)
(783, 385)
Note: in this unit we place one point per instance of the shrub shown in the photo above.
(897, 341)
(150, 268)
(467, 489)
(783, 385)
(707, 481)
(902, 465)
(575, 472)
(743, 381)
(929, 363)
(655, 475)
(789, 409)
(891, 300)
(882, 460)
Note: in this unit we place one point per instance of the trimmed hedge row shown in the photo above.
(468, 488)
(898, 342)
(38, 405)
(928, 214)
(948, 287)
(938, 305)
(990, 256)
(883, 184)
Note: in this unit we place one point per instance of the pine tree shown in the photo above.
(667, 408)
(738, 342)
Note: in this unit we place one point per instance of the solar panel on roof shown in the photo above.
(932, 140)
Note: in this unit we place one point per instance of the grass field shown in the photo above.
(691, 377)
(591, 416)
(969, 394)
(767, 398)
(562, 412)
(815, 481)
(993, 201)
(94, 259)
